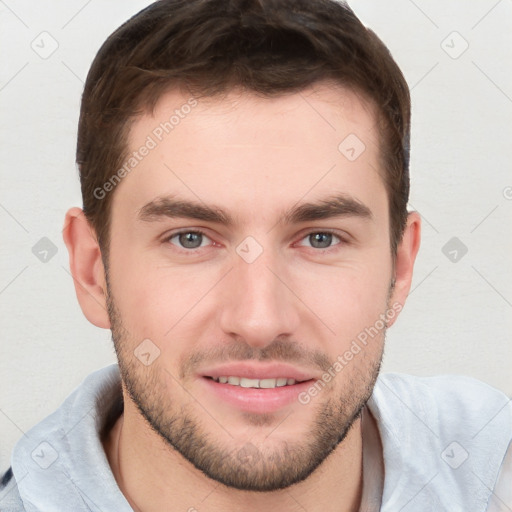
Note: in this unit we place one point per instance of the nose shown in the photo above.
(257, 304)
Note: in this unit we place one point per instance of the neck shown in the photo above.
(154, 477)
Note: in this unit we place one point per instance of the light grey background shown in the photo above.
(459, 315)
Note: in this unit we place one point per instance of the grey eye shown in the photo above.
(189, 240)
(320, 240)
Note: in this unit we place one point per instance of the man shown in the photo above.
(245, 236)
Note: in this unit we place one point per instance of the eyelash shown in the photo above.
(168, 238)
(342, 240)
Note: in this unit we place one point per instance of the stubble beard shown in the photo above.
(246, 466)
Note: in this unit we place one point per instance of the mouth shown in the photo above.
(244, 382)
(256, 388)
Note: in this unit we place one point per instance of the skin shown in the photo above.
(256, 159)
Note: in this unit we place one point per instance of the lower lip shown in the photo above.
(256, 400)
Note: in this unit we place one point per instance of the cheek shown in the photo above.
(159, 302)
(347, 298)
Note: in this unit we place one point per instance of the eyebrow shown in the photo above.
(335, 206)
(169, 207)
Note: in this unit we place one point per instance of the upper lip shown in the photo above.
(252, 370)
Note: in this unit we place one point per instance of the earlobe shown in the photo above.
(405, 258)
(86, 267)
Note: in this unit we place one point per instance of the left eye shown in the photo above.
(320, 240)
(189, 239)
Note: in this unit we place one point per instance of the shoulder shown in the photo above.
(444, 438)
(445, 407)
(444, 400)
(10, 499)
(454, 385)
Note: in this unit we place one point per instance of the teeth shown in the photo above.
(267, 383)
(249, 383)
(255, 383)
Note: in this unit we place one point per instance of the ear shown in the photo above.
(86, 267)
(404, 261)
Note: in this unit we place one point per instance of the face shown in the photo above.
(249, 261)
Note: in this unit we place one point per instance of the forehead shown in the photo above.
(246, 152)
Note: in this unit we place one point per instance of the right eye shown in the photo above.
(189, 240)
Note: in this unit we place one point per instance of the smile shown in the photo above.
(255, 383)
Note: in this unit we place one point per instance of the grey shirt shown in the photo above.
(429, 444)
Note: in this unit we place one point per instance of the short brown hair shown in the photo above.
(268, 47)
